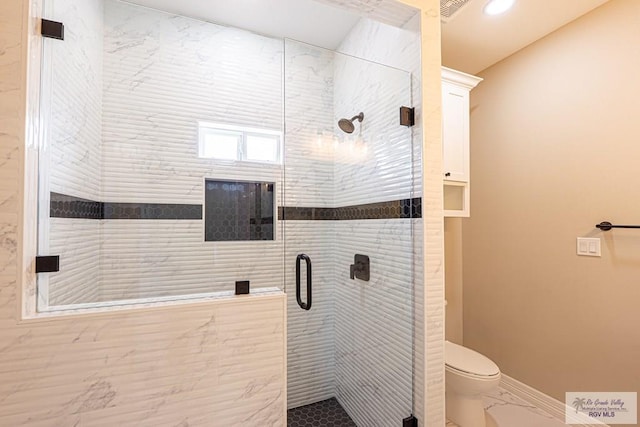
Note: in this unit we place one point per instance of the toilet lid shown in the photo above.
(467, 360)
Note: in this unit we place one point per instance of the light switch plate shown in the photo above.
(588, 246)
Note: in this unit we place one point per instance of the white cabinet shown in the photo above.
(455, 140)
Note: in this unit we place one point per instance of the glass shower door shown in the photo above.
(347, 209)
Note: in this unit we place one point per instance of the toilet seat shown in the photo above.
(468, 363)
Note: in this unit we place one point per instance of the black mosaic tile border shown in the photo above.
(64, 206)
(395, 209)
(151, 211)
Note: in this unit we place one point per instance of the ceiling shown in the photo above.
(473, 41)
(309, 21)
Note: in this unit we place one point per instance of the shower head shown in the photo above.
(347, 125)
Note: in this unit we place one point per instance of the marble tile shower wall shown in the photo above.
(391, 12)
(162, 74)
(309, 176)
(373, 333)
(373, 343)
(356, 343)
(72, 106)
(399, 46)
(375, 160)
(310, 150)
(132, 44)
(212, 363)
(310, 334)
(74, 139)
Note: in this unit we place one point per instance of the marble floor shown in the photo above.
(507, 410)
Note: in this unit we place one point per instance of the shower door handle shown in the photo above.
(307, 260)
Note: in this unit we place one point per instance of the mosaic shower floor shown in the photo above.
(327, 413)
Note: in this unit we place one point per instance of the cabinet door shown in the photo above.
(455, 132)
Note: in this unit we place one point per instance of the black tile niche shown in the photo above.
(238, 210)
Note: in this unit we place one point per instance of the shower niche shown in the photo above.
(185, 154)
(238, 210)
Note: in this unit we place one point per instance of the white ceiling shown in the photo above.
(473, 41)
(304, 20)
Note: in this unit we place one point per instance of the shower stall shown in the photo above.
(189, 154)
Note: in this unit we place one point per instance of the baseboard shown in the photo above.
(553, 407)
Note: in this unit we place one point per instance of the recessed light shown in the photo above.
(496, 7)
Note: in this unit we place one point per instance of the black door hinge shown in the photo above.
(410, 421)
(47, 264)
(52, 29)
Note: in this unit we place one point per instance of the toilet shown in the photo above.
(468, 376)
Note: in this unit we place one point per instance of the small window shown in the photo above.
(226, 142)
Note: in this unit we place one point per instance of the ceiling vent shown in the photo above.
(450, 8)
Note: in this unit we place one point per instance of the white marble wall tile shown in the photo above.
(162, 74)
(374, 321)
(72, 102)
(388, 172)
(11, 123)
(400, 47)
(77, 242)
(310, 340)
(71, 153)
(397, 47)
(187, 198)
(218, 363)
(156, 258)
(309, 142)
(374, 162)
(391, 12)
(433, 412)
